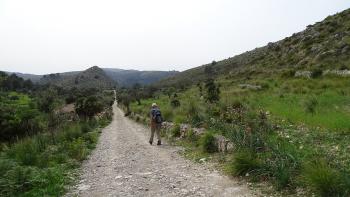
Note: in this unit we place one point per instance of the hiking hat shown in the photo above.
(154, 104)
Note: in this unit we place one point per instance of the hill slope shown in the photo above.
(93, 77)
(130, 77)
(324, 45)
(25, 76)
(284, 107)
(119, 76)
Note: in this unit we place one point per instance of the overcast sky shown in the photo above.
(47, 36)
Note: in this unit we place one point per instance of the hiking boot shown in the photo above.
(159, 142)
(150, 142)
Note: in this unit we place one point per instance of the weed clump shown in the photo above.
(310, 105)
(207, 142)
(324, 180)
(244, 163)
(175, 131)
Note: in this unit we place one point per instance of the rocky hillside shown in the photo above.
(92, 77)
(130, 77)
(324, 45)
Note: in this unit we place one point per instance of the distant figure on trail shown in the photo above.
(156, 123)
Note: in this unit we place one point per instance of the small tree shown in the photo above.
(175, 103)
(125, 99)
(136, 93)
(199, 85)
(213, 91)
(88, 107)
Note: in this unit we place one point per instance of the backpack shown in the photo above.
(157, 116)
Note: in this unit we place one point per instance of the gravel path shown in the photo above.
(125, 164)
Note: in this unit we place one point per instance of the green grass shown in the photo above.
(281, 129)
(207, 143)
(313, 122)
(330, 112)
(244, 163)
(326, 181)
(43, 164)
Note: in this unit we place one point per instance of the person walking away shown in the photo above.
(156, 123)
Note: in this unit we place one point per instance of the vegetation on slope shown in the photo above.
(126, 78)
(93, 77)
(324, 45)
(285, 107)
(40, 144)
(130, 77)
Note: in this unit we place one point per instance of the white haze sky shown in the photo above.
(47, 36)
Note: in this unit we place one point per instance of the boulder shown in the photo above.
(306, 74)
(222, 143)
(249, 86)
(198, 131)
(342, 73)
(184, 128)
(167, 125)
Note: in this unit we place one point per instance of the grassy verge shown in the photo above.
(292, 133)
(43, 165)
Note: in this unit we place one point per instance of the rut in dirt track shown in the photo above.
(125, 164)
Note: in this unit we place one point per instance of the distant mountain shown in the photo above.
(93, 77)
(324, 45)
(130, 77)
(99, 77)
(33, 78)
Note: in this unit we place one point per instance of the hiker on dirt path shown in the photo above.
(156, 123)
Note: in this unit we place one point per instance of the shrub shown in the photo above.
(175, 103)
(85, 127)
(316, 73)
(70, 99)
(207, 142)
(289, 73)
(167, 114)
(175, 131)
(282, 175)
(244, 161)
(91, 138)
(48, 182)
(88, 107)
(78, 149)
(16, 181)
(344, 67)
(213, 91)
(323, 179)
(6, 165)
(24, 152)
(70, 133)
(283, 162)
(310, 105)
(191, 136)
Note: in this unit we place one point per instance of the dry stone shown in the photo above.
(184, 129)
(167, 125)
(222, 143)
(249, 86)
(198, 131)
(306, 74)
(342, 73)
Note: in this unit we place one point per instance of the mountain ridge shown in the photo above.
(121, 76)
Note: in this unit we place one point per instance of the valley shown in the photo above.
(273, 121)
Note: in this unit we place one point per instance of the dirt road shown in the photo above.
(125, 164)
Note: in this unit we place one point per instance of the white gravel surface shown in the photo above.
(125, 164)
